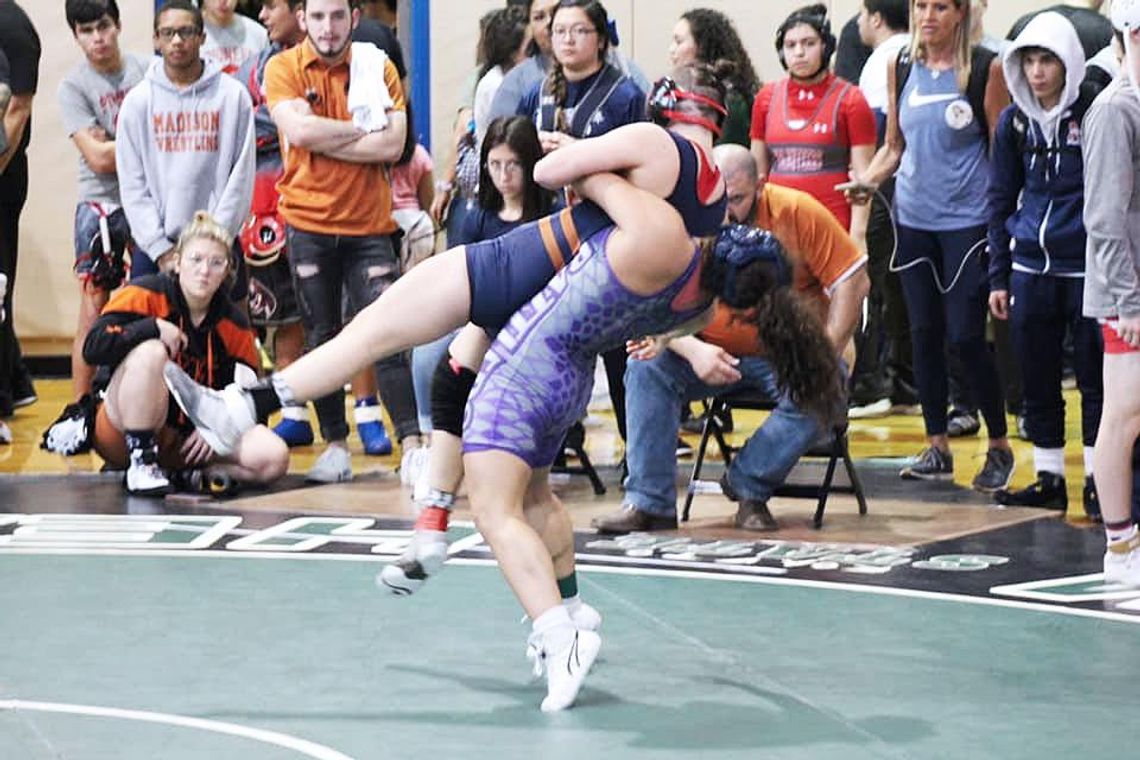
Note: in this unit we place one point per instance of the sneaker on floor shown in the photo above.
(222, 417)
(1021, 427)
(996, 472)
(931, 464)
(294, 432)
(423, 558)
(1047, 492)
(566, 666)
(880, 408)
(1090, 500)
(144, 477)
(5, 433)
(412, 463)
(1122, 562)
(333, 466)
(961, 423)
(684, 448)
(696, 425)
(375, 438)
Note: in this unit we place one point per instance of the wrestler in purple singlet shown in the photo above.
(537, 377)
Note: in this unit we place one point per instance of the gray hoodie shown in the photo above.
(178, 151)
(1112, 202)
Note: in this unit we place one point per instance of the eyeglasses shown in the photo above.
(504, 167)
(184, 32)
(215, 263)
(578, 32)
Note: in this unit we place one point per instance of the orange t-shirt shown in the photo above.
(318, 193)
(820, 251)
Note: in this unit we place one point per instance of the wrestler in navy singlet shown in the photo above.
(506, 272)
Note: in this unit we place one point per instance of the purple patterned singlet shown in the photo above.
(536, 379)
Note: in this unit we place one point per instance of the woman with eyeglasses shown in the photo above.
(186, 317)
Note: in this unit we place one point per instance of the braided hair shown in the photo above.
(556, 82)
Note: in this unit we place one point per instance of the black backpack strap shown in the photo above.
(546, 106)
(980, 60)
(903, 65)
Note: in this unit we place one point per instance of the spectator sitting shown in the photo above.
(183, 316)
(828, 272)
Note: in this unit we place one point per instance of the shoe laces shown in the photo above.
(535, 652)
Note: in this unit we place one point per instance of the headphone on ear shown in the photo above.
(822, 25)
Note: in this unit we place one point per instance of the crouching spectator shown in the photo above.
(186, 317)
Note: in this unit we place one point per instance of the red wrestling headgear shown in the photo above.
(666, 96)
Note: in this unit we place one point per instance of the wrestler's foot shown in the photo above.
(222, 417)
(567, 654)
(423, 558)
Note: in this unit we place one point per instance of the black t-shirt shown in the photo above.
(380, 35)
(21, 46)
(852, 53)
(1093, 29)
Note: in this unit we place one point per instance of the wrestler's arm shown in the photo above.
(643, 152)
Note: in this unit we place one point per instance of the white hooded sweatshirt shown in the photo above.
(1055, 33)
(178, 151)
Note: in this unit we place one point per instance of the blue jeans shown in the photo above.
(654, 392)
(425, 358)
(324, 268)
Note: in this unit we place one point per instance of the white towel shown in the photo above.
(368, 96)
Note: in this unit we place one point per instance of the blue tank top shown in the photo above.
(943, 179)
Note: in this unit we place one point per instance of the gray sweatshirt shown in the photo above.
(1112, 202)
(178, 151)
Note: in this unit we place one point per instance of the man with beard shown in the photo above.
(336, 199)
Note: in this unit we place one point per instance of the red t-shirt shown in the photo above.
(809, 132)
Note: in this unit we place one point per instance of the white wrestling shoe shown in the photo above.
(1122, 562)
(222, 417)
(423, 558)
(584, 617)
(566, 666)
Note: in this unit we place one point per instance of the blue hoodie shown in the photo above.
(1037, 176)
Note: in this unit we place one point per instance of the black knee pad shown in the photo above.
(450, 386)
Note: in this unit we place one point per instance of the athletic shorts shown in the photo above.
(1113, 343)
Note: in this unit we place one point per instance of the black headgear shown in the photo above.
(107, 253)
(665, 97)
(739, 246)
(822, 25)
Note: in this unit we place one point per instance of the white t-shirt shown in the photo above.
(484, 95)
(873, 80)
(229, 46)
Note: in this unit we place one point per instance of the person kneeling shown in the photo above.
(185, 317)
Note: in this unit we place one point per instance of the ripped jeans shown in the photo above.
(325, 267)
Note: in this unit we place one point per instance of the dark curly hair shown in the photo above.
(717, 39)
(520, 135)
(596, 12)
(501, 38)
(790, 334)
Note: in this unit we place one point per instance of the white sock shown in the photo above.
(555, 627)
(572, 603)
(1051, 461)
(1124, 534)
(368, 413)
(298, 413)
(1088, 452)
